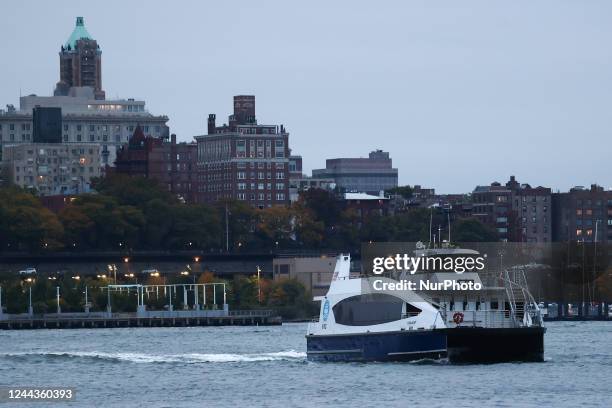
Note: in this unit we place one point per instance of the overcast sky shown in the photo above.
(460, 93)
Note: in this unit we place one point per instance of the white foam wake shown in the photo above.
(190, 358)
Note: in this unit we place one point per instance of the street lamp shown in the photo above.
(57, 294)
(258, 284)
(30, 281)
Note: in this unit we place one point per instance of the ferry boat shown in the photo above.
(495, 324)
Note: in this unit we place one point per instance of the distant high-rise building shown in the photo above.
(109, 123)
(518, 212)
(363, 175)
(493, 207)
(86, 116)
(583, 214)
(243, 160)
(80, 63)
(52, 168)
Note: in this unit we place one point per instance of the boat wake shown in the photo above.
(190, 358)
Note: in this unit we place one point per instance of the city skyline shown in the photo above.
(493, 74)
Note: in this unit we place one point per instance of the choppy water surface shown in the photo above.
(266, 366)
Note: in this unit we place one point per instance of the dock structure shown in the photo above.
(201, 311)
(580, 311)
(154, 319)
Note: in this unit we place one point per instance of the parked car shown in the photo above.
(28, 271)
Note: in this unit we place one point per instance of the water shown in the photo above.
(266, 366)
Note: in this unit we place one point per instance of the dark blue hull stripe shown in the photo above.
(386, 346)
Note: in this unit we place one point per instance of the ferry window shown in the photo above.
(494, 305)
(465, 305)
(364, 310)
(412, 310)
(452, 305)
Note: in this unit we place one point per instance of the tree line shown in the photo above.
(132, 213)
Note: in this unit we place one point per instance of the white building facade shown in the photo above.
(107, 123)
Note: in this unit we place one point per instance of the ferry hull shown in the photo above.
(467, 345)
(386, 346)
(495, 345)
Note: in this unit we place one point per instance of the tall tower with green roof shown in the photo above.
(80, 63)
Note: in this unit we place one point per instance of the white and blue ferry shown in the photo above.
(357, 323)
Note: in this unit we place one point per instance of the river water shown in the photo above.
(266, 366)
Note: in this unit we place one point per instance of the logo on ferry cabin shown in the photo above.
(325, 310)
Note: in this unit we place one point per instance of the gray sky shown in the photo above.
(459, 94)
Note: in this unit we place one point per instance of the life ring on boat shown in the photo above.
(458, 317)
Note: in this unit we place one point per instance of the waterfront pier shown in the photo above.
(580, 311)
(201, 311)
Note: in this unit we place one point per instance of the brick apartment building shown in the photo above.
(492, 205)
(518, 212)
(172, 164)
(583, 215)
(532, 211)
(243, 160)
